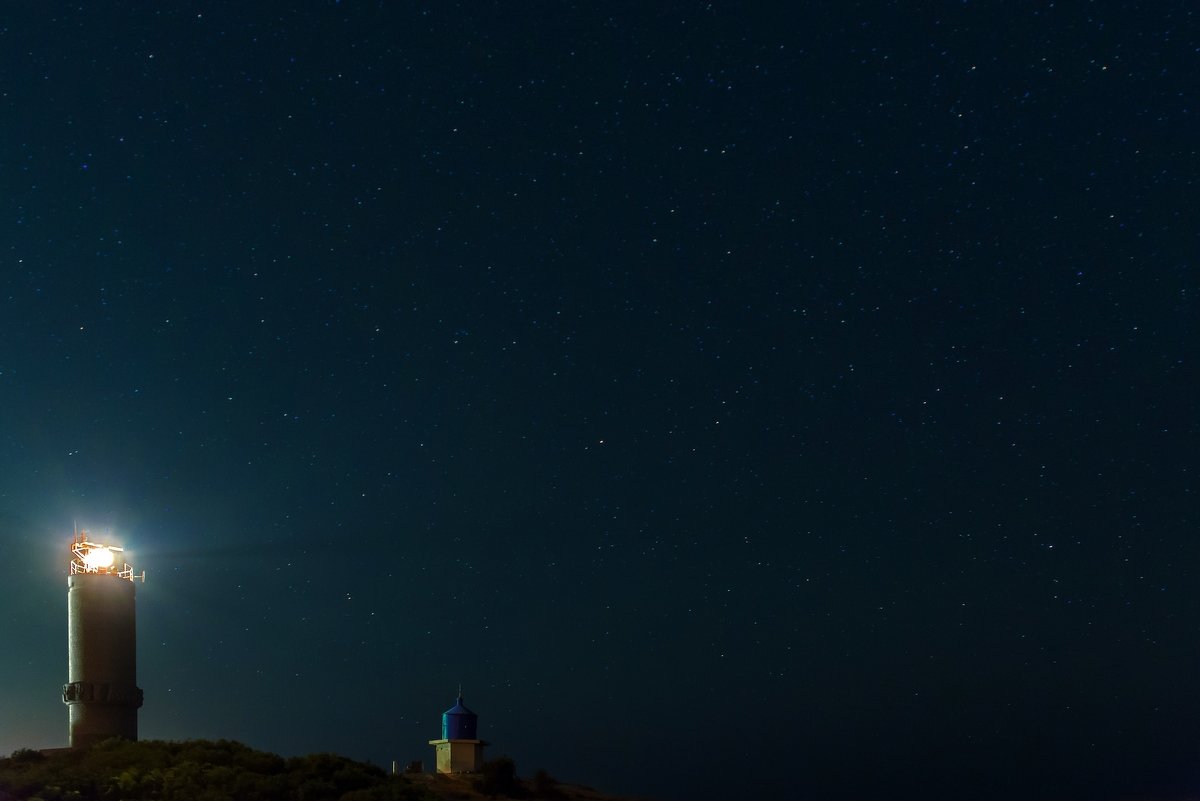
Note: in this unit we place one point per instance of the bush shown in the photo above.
(546, 786)
(499, 777)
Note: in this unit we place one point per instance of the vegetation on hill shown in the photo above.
(195, 770)
(498, 777)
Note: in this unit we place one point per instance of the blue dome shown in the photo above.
(459, 723)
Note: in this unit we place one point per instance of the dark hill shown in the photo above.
(195, 770)
(204, 770)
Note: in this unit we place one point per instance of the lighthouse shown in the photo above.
(459, 750)
(101, 692)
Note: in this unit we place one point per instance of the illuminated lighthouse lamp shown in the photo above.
(92, 557)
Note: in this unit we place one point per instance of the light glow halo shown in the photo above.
(98, 558)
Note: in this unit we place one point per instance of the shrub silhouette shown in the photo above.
(24, 756)
(499, 777)
(546, 786)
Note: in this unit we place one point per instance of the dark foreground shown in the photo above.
(202, 770)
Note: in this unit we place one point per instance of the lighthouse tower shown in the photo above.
(459, 750)
(101, 692)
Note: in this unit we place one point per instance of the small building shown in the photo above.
(459, 750)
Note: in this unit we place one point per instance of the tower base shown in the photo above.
(458, 756)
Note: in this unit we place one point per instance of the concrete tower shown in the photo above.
(101, 692)
(459, 750)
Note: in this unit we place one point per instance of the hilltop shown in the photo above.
(204, 770)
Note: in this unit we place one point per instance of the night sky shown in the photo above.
(794, 398)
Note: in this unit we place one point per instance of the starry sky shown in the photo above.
(797, 398)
